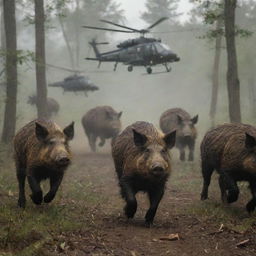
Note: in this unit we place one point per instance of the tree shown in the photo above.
(233, 84)
(40, 59)
(157, 9)
(9, 124)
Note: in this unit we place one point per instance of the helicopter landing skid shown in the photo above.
(115, 66)
(168, 69)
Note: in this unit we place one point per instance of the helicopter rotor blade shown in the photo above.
(108, 29)
(121, 26)
(157, 22)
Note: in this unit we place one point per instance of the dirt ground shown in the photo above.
(90, 192)
(112, 234)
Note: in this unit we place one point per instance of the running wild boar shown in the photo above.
(52, 105)
(41, 152)
(230, 149)
(179, 120)
(142, 163)
(103, 122)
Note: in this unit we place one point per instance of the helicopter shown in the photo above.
(75, 83)
(141, 51)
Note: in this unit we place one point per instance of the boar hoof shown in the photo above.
(130, 210)
(21, 203)
(250, 207)
(37, 198)
(204, 196)
(48, 197)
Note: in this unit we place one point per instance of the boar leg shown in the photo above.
(55, 182)
(231, 186)
(155, 197)
(223, 189)
(191, 152)
(207, 174)
(182, 154)
(129, 195)
(92, 142)
(252, 203)
(21, 176)
(37, 194)
(102, 142)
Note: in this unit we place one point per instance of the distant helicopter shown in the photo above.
(76, 83)
(141, 51)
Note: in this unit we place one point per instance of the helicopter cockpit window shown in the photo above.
(161, 47)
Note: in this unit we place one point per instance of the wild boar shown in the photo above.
(41, 151)
(142, 163)
(52, 105)
(230, 149)
(103, 122)
(186, 133)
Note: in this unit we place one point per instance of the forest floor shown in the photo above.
(86, 217)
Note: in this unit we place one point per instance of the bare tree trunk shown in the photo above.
(252, 95)
(40, 59)
(11, 71)
(71, 57)
(3, 39)
(215, 75)
(233, 83)
(77, 36)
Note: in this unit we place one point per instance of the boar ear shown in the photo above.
(170, 138)
(41, 132)
(69, 131)
(250, 141)
(194, 119)
(108, 115)
(180, 120)
(119, 114)
(139, 139)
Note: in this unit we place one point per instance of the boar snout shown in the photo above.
(157, 169)
(62, 160)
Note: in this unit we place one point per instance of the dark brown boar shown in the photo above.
(142, 163)
(179, 120)
(103, 122)
(52, 105)
(41, 151)
(230, 149)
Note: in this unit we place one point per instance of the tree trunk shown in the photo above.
(252, 95)
(3, 39)
(11, 71)
(215, 75)
(40, 59)
(67, 42)
(77, 35)
(233, 84)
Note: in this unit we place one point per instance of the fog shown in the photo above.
(140, 96)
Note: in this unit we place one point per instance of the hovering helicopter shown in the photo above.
(141, 51)
(76, 83)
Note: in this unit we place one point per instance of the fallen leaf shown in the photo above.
(242, 243)
(62, 246)
(10, 193)
(171, 237)
(133, 253)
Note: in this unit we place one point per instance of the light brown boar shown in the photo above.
(103, 122)
(41, 151)
(142, 163)
(186, 133)
(230, 149)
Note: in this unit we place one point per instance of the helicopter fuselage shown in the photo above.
(145, 54)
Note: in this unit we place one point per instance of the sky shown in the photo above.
(134, 8)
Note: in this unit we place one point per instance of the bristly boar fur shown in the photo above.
(142, 163)
(52, 105)
(230, 149)
(103, 122)
(41, 151)
(186, 133)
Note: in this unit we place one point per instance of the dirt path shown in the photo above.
(180, 212)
